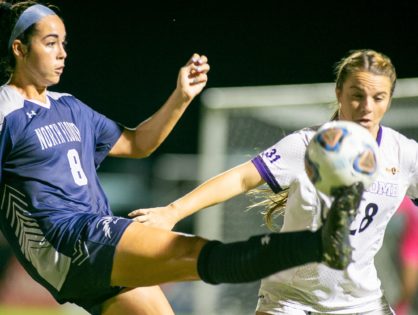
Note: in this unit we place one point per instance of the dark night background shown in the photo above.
(124, 55)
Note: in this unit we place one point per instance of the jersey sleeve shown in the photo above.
(107, 132)
(5, 144)
(280, 164)
(104, 130)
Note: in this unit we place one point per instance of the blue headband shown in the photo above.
(29, 17)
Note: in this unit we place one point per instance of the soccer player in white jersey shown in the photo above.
(55, 215)
(365, 81)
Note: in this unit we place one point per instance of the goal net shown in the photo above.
(239, 122)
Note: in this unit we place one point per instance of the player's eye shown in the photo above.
(380, 97)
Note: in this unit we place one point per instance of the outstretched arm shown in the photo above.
(147, 136)
(218, 189)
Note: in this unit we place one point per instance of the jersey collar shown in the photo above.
(379, 135)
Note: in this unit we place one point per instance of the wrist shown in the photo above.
(175, 212)
(180, 98)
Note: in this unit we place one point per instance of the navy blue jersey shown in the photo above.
(49, 187)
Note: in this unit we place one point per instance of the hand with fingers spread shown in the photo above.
(192, 77)
(161, 217)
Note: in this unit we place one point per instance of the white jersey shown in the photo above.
(316, 287)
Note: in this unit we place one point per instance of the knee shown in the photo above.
(188, 246)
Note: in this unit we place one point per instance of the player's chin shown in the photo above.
(366, 123)
(54, 80)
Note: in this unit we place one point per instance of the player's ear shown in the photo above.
(19, 49)
(338, 94)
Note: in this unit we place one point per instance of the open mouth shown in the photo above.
(364, 121)
(59, 70)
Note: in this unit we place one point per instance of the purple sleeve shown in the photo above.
(266, 174)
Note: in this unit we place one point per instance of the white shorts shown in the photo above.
(275, 308)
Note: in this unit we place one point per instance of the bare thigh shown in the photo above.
(138, 301)
(147, 256)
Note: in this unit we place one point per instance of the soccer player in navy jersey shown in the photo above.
(55, 215)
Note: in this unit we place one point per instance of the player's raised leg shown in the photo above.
(148, 256)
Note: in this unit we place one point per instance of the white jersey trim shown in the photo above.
(10, 100)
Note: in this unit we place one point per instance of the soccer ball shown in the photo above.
(340, 154)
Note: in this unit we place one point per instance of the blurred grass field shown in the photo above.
(4, 310)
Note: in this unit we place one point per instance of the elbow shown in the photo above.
(141, 153)
(144, 154)
(250, 178)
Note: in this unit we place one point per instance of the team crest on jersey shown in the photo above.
(393, 170)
